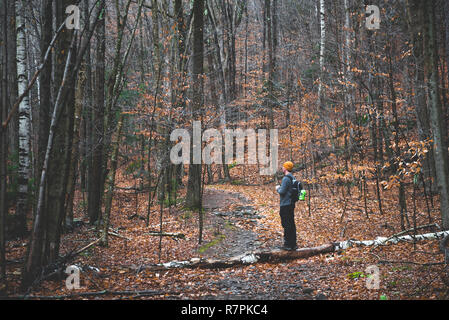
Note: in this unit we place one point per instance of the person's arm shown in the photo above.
(285, 185)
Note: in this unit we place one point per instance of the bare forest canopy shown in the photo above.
(354, 93)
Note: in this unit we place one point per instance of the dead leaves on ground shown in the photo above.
(407, 270)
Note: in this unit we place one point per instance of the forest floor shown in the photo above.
(238, 219)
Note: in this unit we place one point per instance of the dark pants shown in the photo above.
(287, 214)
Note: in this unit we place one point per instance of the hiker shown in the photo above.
(287, 207)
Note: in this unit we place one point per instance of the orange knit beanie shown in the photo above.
(288, 165)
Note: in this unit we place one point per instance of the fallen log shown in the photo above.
(277, 255)
(166, 234)
(432, 225)
(142, 293)
(118, 236)
(271, 256)
(380, 241)
(97, 241)
(86, 247)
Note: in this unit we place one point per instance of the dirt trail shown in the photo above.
(224, 210)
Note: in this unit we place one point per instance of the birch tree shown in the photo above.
(24, 120)
(43, 247)
(322, 50)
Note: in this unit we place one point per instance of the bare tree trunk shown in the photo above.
(159, 69)
(436, 114)
(75, 147)
(45, 81)
(269, 40)
(24, 121)
(223, 97)
(322, 51)
(402, 198)
(446, 21)
(38, 255)
(193, 196)
(58, 161)
(3, 145)
(11, 37)
(96, 168)
(113, 87)
(415, 23)
(111, 184)
(113, 91)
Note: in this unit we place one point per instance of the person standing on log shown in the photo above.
(287, 207)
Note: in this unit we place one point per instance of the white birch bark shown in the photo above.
(382, 241)
(347, 68)
(24, 112)
(273, 255)
(347, 46)
(322, 48)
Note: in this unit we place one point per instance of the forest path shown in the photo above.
(224, 212)
(236, 221)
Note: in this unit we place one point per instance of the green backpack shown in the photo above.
(298, 193)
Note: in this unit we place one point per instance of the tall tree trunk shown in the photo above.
(229, 43)
(3, 144)
(13, 128)
(45, 106)
(73, 170)
(415, 23)
(39, 252)
(88, 94)
(446, 55)
(193, 196)
(402, 198)
(270, 85)
(59, 160)
(446, 22)
(272, 47)
(181, 34)
(436, 113)
(223, 97)
(96, 168)
(111, 183)
(113, 87)
(179, 92)
(24, 122)
(322, 13)
(159, 67)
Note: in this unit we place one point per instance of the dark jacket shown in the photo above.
(285, 191)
